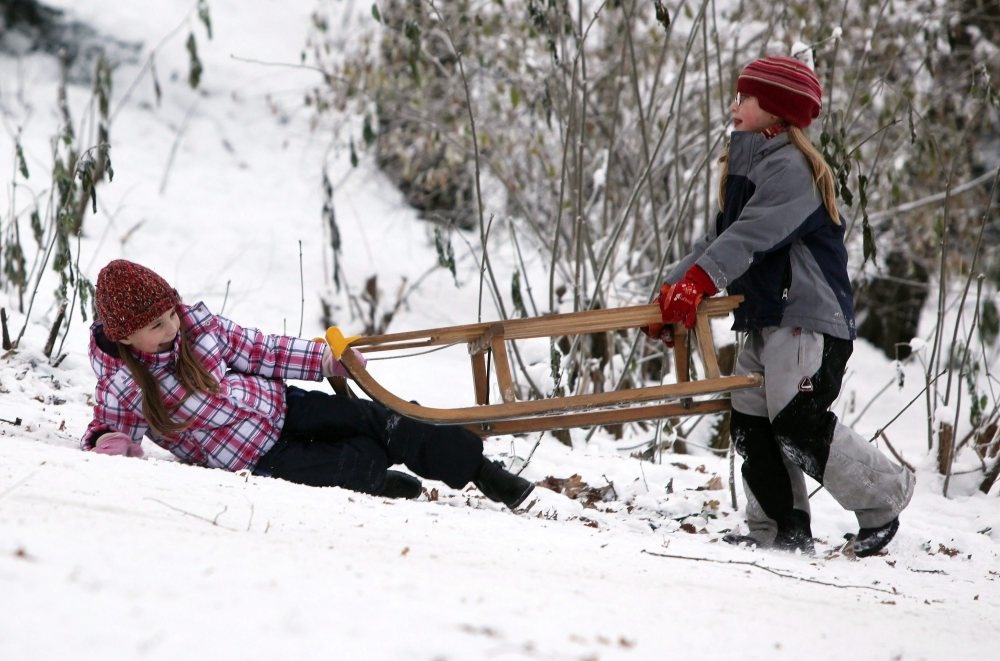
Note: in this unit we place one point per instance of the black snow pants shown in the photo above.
(334, 441)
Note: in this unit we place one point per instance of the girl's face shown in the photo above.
(748, 116)
(158, 336)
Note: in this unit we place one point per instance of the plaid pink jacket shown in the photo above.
(230, 429)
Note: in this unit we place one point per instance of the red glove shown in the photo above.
(664, 333)
(679, 301)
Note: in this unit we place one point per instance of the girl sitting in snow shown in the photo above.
(213, 394)
(779, 242)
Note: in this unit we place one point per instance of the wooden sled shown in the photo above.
(512, 416)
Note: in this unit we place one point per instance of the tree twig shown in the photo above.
(895, 212)
(898, 457)
(24, 479)
(771, 571)
(908, 405)
(302, 291)
(181, 131)
(3, 324)
(214, 522)
(54, 331)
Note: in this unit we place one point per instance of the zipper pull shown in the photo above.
(784, 294)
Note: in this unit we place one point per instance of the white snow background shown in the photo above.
(116, 558)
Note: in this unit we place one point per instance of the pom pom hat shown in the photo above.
(784, 87)
(129, 297)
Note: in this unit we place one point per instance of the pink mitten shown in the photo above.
(117, 443)
(333, 367)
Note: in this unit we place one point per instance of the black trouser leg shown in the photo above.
(450, 454)
(804, 428)
(763, 467)
(358, 463)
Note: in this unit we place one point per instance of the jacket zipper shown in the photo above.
(787, 280)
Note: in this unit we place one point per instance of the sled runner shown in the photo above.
(489, 340)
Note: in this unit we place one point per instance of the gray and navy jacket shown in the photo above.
(775, 244)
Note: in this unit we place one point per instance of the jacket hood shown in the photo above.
(104, 356)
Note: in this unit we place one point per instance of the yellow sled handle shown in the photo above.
(338, 343)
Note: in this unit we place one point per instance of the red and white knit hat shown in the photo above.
(130, 296)
(784, 87)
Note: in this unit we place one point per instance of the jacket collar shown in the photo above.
(157, 360)
(747, 148)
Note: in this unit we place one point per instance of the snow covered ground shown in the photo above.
(219, 191)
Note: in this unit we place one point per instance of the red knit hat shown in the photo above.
(129, 297)
(784, 87)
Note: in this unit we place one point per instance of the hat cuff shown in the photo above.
(777, 101)
(120, 331)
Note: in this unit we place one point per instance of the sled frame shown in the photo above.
(511, 416)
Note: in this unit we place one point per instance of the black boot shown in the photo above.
(795, 534)
(400, 485)
(500, 486)
(872, 540)
(736, 539)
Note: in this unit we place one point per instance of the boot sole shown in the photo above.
(524, 496)
(864, 550)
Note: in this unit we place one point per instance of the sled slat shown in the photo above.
(479, 378)
(488, 341)
(502, 367)
(706, 347)
(594, 418)
(569, 323)
(682, 365)
(513, 410)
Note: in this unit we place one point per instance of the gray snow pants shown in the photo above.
(786, 429)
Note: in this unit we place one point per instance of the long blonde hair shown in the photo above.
(822, 174)
(190, 372)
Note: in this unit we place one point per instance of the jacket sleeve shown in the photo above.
(676, 271)
(112, 414)
(776, 214)
(250, 351)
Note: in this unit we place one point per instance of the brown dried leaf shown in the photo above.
(715, 484)
(574, 487)
(950, 552)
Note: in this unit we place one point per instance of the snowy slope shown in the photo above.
(114, 558)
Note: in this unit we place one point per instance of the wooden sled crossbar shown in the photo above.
(605, 408)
